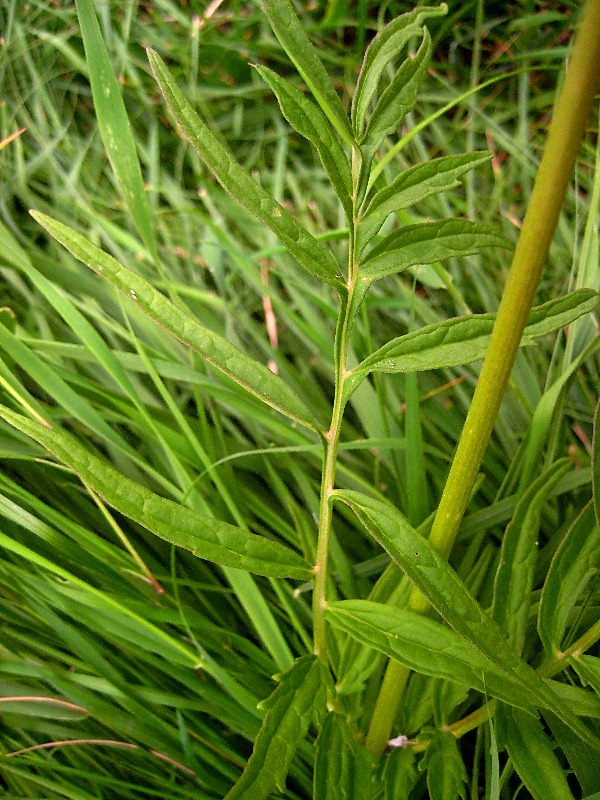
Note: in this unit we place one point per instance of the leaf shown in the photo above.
(465, 339)
(575, 563)
(315, 258)
(413, 186)
(446, 773)
(204, 536)
(399, 775)
(114, 124)
(292, 37)
(583, 763)
(425, 243)
(425, 646)
(515, 573)
(399, 98)
(311, 123)
(596, 463)
(220, 353)
(384, 48)
(532, 755)
(342, 765)
(445, 591)
(289, 710)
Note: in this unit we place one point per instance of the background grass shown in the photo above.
(153, 661)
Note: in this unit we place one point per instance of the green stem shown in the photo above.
(568, 124)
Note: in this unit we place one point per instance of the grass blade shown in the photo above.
(220, 353)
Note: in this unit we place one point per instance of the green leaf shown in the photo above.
(413, 186)
(342, 765)
(532, 755)
(425, 646)
(399, 774)
(446, 773)
(575, 563)
(312, 255)
(114, 125)
(289, 710)
(588, 669)
(583, 763)
(399, 98)
(425, 243)
(465, 339)
(384, 48)
(220, 353)
(292, 37)
(204, 536)
(596, 463)
(445, 591)
(311, 123)
(515, 573)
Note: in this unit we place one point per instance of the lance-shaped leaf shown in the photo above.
(399, 98)
(300, 696)
(413, 186)
(532, 755)
(315, 258)
(384, 48)
(425, 243)
(425, 646)
(220, 353)
(311, 123)
(114, 124)
(204, 536)
(514, 577)
(446, 773)
(292, 37)
(445, 591)
(462, 340)
(343, 767)
(575, 564)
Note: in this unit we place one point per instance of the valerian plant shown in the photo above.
(420, 614)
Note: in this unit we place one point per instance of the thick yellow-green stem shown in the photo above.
(581, 82)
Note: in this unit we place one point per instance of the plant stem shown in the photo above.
(568, 124)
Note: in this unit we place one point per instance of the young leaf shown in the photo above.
(514, 576)
(425, 646)
(311, 123)
(446, 773)
(114, 124)
(342, 765)
(596, 463)
(465, 339)
(253, 376)
(384, 48)
(399, 98)
(575, 563)
(413, 186)
(426, 242)
(312, 255)
(445, 591)
(292, 37)
(289, 710)
(204, 536)
(532, 755)
(399, 774)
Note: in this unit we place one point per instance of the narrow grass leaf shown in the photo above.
(425, 243)
(342, 765)
(206, 537)
(440, 584)
(384, 48)
(312, 255)
(532, 755)
(413, 186)
(425, 646)
(253, 376)
(114, 125)
(446, 773)
(299, 697)
(294, 40)
(399, 98)
(515, 574)
(462, 340)
(311, 123)
(575, 564)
